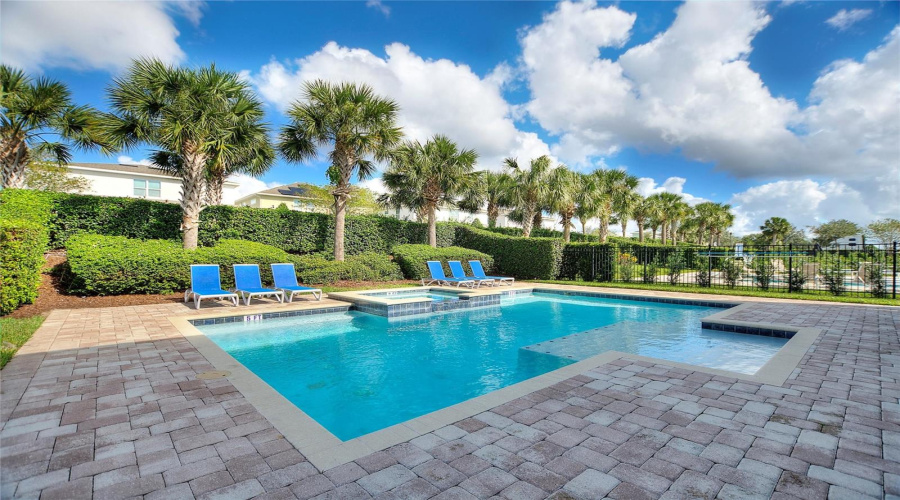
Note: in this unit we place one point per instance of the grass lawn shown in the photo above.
(16, 332)
(807, 295)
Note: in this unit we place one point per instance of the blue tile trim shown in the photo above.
(660, 300)
(256, 317)
(764, 332)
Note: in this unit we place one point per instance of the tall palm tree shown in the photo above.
(724, 220)
(586, 202)
(776, 229)
(430, 175)
(705, 214)
(357, 122)
(668, 210)
(191, 114)
(641, 214)
(491, 189)
(38, 117)
(610, 188)
(624, 204)
(529, 188)
(563, 197)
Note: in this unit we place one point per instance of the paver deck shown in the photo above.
(106, 402)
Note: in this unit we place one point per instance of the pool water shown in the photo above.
(357, 373)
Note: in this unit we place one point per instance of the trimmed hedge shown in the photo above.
(412, 259)
(589, 261)
(540, 232)
(112, 265)
(316, 269)
(527, 258)
(22, 245)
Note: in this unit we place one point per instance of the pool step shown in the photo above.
(583, 345)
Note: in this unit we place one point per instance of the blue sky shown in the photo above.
(780, 108)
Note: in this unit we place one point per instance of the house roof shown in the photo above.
(295, 190)
(129, 168)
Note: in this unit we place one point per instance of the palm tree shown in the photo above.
(194, 115)
(430, 175)
(586, 206)
(491, 188)
(30, 111)
(705, 214)
(624, 204)
(776, 229)
(529, 188)
(641, 214)
(610, 188)
(563, 197)
(357, 122)
(667, 206)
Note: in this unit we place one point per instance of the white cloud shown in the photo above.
(435, 96)
(802, 202)
(691, 91)
(846, 18)
(377, 4)
(127, 160)
(675, 185)
(246, 185)
(91, 35)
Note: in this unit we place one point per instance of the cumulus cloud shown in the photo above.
(127, 160)
(846, 18)
(246, 185)
(435, 96)
(675, 185)
(91, 35)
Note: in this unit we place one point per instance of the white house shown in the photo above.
(133, 181)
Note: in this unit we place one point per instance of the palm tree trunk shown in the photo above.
(214, 188)
(432, 226)
(527, 221)
(640, 231)
(538, 219)
(567, 229)
(14, 163)
(192, 184)
(493, 211)
(604, 229)
(663, 235)
(340, 217)
(624, 223)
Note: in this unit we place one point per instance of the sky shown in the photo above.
(785, 109)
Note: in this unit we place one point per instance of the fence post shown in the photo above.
(709, 265)
(790, 267)
(894, 275)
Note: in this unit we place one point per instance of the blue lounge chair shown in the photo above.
(478, 272)
(286, 281)
(437, 276)
(247, 283)
(207, 284)
(458, 272)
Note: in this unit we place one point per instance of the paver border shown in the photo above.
(325, 451)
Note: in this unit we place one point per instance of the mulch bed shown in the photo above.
(52, 296)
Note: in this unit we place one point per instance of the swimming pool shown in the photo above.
(356, 373)
(435, 295)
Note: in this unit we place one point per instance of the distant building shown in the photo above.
(851, 241)
(294, 196)
(133, 181)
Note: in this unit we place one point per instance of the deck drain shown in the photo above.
(213, 374)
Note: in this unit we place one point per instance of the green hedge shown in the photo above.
(527, 258)
(112, 265)
(589, 261)
(540, 232)
(412, 259)
(22, 245)
(316, 269)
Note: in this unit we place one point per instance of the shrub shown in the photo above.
(589, 261)
(874, 276)
(675, 264)
(651, 269)
(112, 265)
(763, 273)
(834, 278)
(627, 265)
(731, 271)
(412, 259)
(22, 245)
(317, 269)
(797, 278)
(704, 278)
(528, 258)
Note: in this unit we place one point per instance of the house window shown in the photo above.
(147, 189)
(296, 204)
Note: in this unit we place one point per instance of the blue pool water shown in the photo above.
(434, 295)
(356, 373)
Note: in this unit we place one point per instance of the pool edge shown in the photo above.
(325, 451)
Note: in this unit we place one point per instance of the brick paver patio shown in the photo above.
(107, 402)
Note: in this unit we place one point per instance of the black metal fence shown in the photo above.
(868, 270)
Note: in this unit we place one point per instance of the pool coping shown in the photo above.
(325, 451)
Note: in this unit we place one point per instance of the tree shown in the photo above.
(358, 124)
(192, 115)
(39, 118)
(491, 189)
(829, 232)
(624, 205)
(430, 175)
(563, 197)
(641, 213)
(776, 229)
(529, 188)
(886, 230)
(669, 206)
(609, 190)
(585, 201)
(46, 175)
(705, 215)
